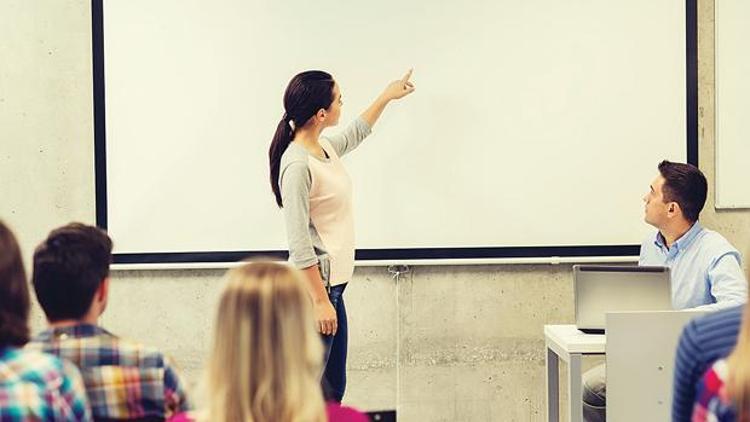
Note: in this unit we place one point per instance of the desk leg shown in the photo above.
(552, 379)
(575, 389)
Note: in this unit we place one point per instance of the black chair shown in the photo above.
(382, 416)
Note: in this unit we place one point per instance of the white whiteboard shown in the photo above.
(732, 104)
(535, 123)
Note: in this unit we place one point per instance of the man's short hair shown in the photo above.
(14, 292)
(686, 185)
(69, 266)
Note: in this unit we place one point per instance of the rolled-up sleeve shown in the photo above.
(686, 374)
(295, 182)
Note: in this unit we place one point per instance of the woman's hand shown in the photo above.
(394, 91)
(400, 88)
(325, 316)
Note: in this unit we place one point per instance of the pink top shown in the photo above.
(318, 211)
(339, 413)
(335, 412)
(332, 213)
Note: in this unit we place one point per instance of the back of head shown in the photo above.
(266, 358)
(69, 266)
(307, 93)
(686, 185)
(14, 293)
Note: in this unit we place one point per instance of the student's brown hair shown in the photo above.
(69, 266)
(14, 292)
(686, 185)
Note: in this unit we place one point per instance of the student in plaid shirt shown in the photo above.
(33, 386)
(124, 379)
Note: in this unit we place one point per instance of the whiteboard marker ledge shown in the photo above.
(554, 260)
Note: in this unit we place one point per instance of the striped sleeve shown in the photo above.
(683, 390)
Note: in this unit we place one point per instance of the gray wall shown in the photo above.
(446, 343)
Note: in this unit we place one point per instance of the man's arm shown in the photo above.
(727, 282)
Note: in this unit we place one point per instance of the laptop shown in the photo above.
(599, 289)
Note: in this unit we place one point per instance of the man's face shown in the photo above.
(657, 211)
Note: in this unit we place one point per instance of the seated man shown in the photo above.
(706, 269)
(124, 379)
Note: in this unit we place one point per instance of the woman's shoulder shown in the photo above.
(338, 413)
(31, 365)
(294, 163)
(294, 154)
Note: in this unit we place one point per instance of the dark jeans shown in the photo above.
(334, 375)
(595, 394)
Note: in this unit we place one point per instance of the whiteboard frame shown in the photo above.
(426, 256)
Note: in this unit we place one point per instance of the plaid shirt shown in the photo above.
(40, 387)
(123, 379)
(713, 403)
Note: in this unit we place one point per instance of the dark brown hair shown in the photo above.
(686, 185)
(69, 266)
(14, 292)
(306, 93)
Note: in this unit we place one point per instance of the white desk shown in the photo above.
(570, 344)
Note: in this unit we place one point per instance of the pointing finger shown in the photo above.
(406, 77)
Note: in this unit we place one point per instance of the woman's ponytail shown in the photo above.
(279, 144)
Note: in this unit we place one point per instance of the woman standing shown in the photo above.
(315, 192)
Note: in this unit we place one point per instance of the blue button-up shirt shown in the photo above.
(706, 269)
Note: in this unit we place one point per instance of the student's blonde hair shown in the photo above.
(266, 359)
(738, 363)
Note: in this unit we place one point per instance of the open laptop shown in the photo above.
(599, 289)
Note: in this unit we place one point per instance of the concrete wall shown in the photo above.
(445, 343)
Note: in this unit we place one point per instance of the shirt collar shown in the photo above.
(72, 331)
(683, 242)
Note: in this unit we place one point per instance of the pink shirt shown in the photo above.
(318, 212)
(331, 212)
(335, 412)
(339, 413)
